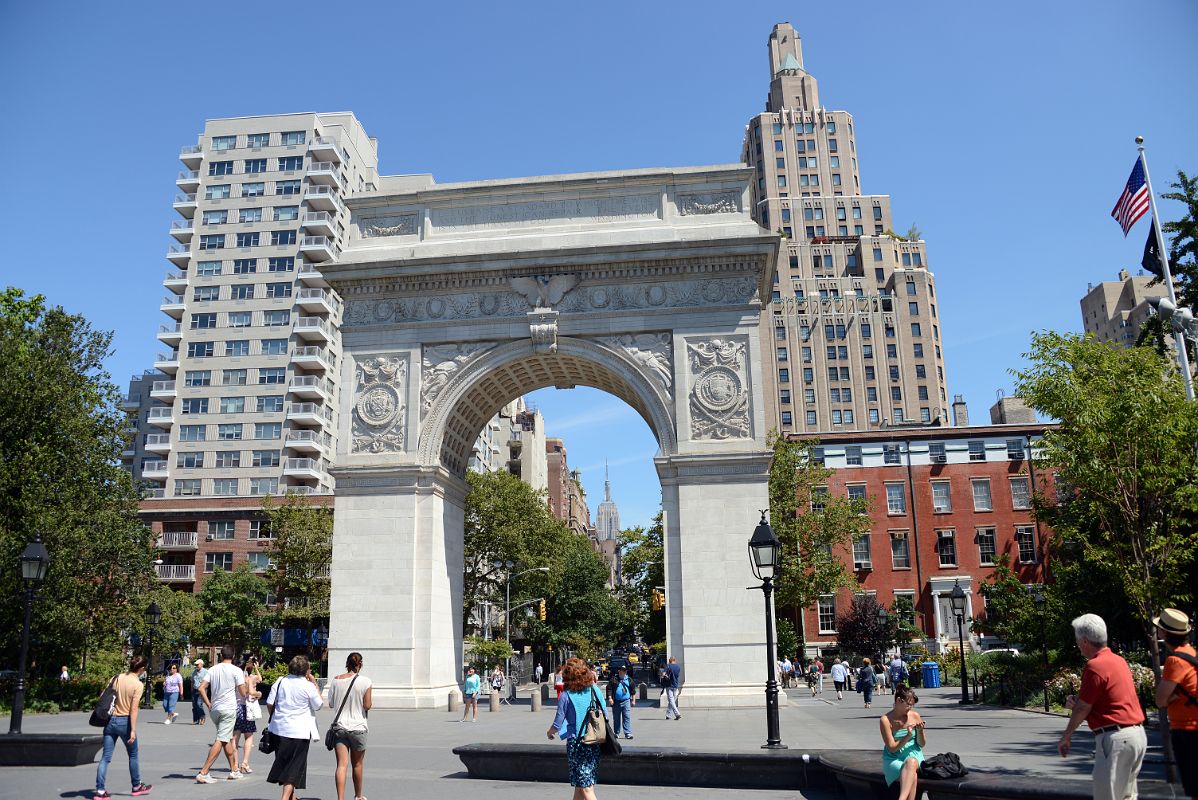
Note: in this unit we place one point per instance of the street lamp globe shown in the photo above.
(882, 614)
(1039, 599)
(35, 561)
(765, 551)
(957, 598)
(153, 614)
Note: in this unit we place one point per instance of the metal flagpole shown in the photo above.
(1179, 338)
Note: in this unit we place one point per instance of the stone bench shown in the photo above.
(49, 749)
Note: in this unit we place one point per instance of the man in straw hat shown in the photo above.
(1178, 691)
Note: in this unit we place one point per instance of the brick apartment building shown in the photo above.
(946, 503)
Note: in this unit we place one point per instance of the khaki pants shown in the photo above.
(1118, 756)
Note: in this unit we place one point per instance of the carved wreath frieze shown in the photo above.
(379, 412)
(708, 203)
(577, 299)
(653, 353)
(396, 225)
(719, 396)
(440, 364)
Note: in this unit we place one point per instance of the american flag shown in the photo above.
(1133, 203)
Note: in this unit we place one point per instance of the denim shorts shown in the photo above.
(354, 740)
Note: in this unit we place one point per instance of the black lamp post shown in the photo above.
(153, 616)
(1041, 603)
(35, 561)
(765, 552)
(957, 598)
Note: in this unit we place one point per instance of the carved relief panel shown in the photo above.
(719, 391)
(440, 363)
(379, 411)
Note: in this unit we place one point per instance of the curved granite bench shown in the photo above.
(49, 749)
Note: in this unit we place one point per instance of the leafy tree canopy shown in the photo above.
(301, 550)
(232, 605)
(863, 632)
(642, 568)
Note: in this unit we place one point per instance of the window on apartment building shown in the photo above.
(981, 494)
(916, 330)
(200, 349)
(906, 259)
(276, 319)
(280, 289)
(287, 187)
(827, 613)
(260, 529)
(225, 487)
(229, 432)
(237, 347)
(292, 137)
(253, 165)
(187, 487)
(900, 550)
(784, 397)
(268, 430)
(195, 405)
(266, 458)
(248, 239)
(896, 498)
(190, 460)
(260, 486)
(281, 264)
(272, 375)
(192, 433)
(898, 415)
(852, 455)
(922, 392)
(291, 163)
(253, 189)
(250, 215)
(240, 319)
(977, 451)
(809, 395)
(221, 143)
(203, 321)
(274, 347)
(218, 561)
(946, 547)
(896, 393)
(245, 266)
(227, 459)
(259, 561)
(282, 237)
(1021, 494)
(856, 491)
(212, 241)
(219, 191)
(232, 405)
(811, 418)
(784, 375)
(197, 377)
(819, 498)
(207, 269)
(220, 167)
(215, 217)
(258, 140)
(787, 418)
(270, 403)
(920, 370)
(234, 377)
(286, 213)
(861, 553)
(242, 291)
(890, 454)
(987, 548)
(874, 416)
(221, 530)
(205, 293)
(1025, 538)
(942, 497)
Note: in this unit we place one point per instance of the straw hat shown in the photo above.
(1172, 621)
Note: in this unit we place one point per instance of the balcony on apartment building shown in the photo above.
(309, 491)
(307, 441)
(153, 493)
(309, 413)
(182, 230)
(309, 469)
(179, 255)
(310, 387)
(161, 417)
(178, 540)
(176, 572)
(172, 306)
(163, 390)
(131, 402)
(324, 148)
(323, 173)
(154, 470)
(309, 357)
(175, 282)
(188, 180)
(191, 155)
(319, 223)
(311, 276)
(170, 334)
(313, 329)
(158, 443)
(322, 198)
(317, 248)
(318, 301)
(167, 362)
(185, 204)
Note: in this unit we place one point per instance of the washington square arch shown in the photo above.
(647, 284)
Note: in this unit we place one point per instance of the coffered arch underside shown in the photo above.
(502, 374)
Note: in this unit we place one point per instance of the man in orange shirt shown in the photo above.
(1178, 691)
(1109, 705)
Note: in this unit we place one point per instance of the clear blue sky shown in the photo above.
(1003, 130)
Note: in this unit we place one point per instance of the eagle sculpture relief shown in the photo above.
(543, 291)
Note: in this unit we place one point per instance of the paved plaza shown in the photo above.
(410, 751)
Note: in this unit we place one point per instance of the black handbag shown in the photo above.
(104, 706)
(330, 741)
(268, 741)
(610, 746)
(944, 766)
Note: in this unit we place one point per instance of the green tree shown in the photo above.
(863, 632)
(903, 611)
(182, 618)
(642, 569)
(233, 608)
(1183, 233)
(484, 654)
(787, 641)
(581, 611)
(301, 550)
(1125, 447)
(811, 525)
(60, 450)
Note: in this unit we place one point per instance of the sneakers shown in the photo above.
(628, 736)
(204, 778)
(101, 795)
(167, 721)
(234, 776)
(141, 788)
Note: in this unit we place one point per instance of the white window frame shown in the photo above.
(974, 484)
(890, 505)
(827, 601)
(947, 507)
(1026, 504)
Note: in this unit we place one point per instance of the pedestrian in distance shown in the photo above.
(1108, 703)
(671, 682)
(470, 688)
(903, 741)
(819, 666)
(122, 725)
(812, 677)
(497, 680)
(866, 681)
(350, 695)
(539, 672)
(621, 700)
(881, 674)
(199, 714)
(840, 676)
(897, 671)
(65, 675)
(572, 708)
(220, 691)
(559, 682)
(172, 687)
(293, 702)
(1178, 692)
(787, 672)
(249, 711)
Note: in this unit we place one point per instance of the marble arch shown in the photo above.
(647, 284)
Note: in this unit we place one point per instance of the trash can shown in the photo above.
(931, 675)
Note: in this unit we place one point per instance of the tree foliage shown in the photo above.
(301, 550)
(813, 541)
(232, 605)
(484, 654)
(60, 450)
(642, 568)
(862, 632)
(182, 618)
(1183, 235)
(1126, 450)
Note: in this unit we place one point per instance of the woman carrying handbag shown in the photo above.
(292, 704)
(574, 724)
(349, 693)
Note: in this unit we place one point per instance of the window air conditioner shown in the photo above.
(209, 537)
(863, 565)
(939, 458)
(1015, 455)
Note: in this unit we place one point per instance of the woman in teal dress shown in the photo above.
(903, 739)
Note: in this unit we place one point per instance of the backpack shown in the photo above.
(943, 767)
(104, 706)
(1193, 662)
(667, 679)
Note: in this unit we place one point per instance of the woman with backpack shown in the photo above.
(903, 741)
(866, 681)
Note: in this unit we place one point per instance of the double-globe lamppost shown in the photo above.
(957, 598)
(506, 566)
(35, 562)
(153, 616)
(765, 553)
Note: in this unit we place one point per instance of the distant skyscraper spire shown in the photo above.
(609, 515)
(606, 483)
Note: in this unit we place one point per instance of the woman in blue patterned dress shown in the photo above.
(572, 707)
(903, 739)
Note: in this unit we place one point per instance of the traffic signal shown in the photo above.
(541, 610)
(658, 600)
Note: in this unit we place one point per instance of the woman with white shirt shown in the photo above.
(349, 695)
(292, 704)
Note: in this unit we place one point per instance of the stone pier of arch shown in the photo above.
(646, 284)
